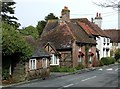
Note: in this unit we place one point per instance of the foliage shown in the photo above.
(41, 24)
(5, 74)
(30, 30)
(80, 66)
(13, 43)
(50, 16)
(117, 54)
(7, 12)
(62, 69)
(107, 61)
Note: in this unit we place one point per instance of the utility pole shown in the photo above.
(119, 15)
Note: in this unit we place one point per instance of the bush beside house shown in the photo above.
(107, 61)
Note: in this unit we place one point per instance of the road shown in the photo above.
(101, 77)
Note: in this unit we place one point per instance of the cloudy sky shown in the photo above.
(29, 12)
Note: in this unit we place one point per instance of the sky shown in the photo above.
(29, 12)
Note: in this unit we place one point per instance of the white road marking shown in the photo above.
(116, 69)
(88, 78)
(109, 69)
(100, 69)
(68, 85)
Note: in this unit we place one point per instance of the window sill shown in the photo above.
(54, 64)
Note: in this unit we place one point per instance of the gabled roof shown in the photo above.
(97, 30)
(113, 34)
(38, 51)
(62, 35)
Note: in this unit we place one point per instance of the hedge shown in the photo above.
(107, 61)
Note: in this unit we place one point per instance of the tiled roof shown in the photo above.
(40, 52)
(87, 28)
(113, 34)
(97, 30)
(62, 35)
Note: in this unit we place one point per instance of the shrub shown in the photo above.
(117, 54)
(107, 61)
(54, 69)
(80, 66)
(61, 69)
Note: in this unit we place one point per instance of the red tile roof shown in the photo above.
(87, 28)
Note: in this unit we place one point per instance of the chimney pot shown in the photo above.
(97, 14)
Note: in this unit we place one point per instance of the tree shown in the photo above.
(13, 43)
(108, 3)
(117, 54)
(30, 30)
(7, 12)
(41, 24)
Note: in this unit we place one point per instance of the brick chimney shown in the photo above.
(98, 19)
(65, 14)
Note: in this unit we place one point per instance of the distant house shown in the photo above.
(114, 35)
(68, 44)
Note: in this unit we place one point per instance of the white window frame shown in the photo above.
(32, 64)
(54, 59)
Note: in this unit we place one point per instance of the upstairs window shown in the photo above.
(108, 41)
(104, 41)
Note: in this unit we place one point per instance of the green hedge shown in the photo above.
(65, 69)
(61, 69)
(107, 61)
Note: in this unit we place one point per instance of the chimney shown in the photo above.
(98, 19)
(65, 14)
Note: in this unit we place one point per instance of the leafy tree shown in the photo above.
(13, 44)
(30, 30)
(7, 12)
(117, 54)
(50, 16)
(41, 24)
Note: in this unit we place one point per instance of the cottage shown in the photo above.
(114, 35)
(95, 32)
(68, 44)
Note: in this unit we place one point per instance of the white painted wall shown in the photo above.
(103, 45)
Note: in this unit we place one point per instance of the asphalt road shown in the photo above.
(102, 77)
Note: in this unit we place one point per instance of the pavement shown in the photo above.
(57, 74)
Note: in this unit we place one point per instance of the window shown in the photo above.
(104, 40)
(54, 60)
(108, 41)
(32, 64)
(80, 59)
(44, 63)
(90, 59)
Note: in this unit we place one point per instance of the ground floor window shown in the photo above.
(32, 64)
(90, 59)
(54, 60)
(80, 59)
(44, 62)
